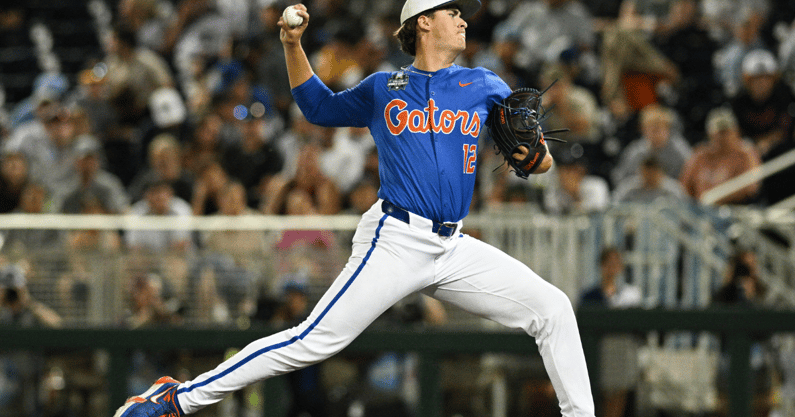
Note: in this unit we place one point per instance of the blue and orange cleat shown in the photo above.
(158, 401)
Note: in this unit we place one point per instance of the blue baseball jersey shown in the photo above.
(425, 126)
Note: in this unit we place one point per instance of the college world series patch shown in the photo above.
(398, 81)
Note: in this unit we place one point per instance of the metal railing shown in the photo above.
(675, 254)
(757, 174)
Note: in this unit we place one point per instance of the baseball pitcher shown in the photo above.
(425, 119)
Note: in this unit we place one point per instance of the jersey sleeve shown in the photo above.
(497, 89)
(321, 106)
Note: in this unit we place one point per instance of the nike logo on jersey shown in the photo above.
(463, 85)
(426, 120)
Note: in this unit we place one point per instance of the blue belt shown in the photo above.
(441, 229)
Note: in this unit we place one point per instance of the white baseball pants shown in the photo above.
(391, 259)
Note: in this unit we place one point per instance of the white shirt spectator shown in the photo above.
(574, 191)
(160, 201)
(50, 163)
(343, 162)
(672, 156)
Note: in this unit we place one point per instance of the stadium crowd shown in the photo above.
(188, 101)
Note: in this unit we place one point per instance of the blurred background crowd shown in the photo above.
(183, 107)
(108, 103)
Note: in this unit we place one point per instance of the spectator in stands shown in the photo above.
(497, 184)
(13, 177)
(164, 163)
(651, 185)
(303, 251)
(684, 38)
(210, 306)
(302, 170)
(659, 138)
(208, 188)
(634, 70)
(573, 107)
(196, 34)
(270, 69)
(149, 306)
(18, 307)
(85, 244)
(762, 104)
(357, 137)
(254, 161)
(341, 159)
(309, 192)
(362, 197)
(294, 307)
(391, 382)
(620, 127)
(80, 120)
(746, 23)
(205, 145)
(619, 361)
(91, 95)
(613, 290)
(290, 142)
(742, 284)
(338, 64)
(91, 181)
(134, 73)
(574, 190)
(763, 107)
(146, 20)
(159, 200)
(503, 56)
(235, 97)
(245, 247)
(48, 87)
(546, 28)
(724, 156)
(169, 115)
(47, 143)
(35, 199)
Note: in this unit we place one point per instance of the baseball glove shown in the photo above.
(516, 122)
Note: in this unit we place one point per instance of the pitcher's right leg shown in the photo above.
(385, 266)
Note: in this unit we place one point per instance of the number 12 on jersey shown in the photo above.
(470, 155)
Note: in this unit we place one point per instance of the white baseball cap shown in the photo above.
(759, 62)
(414, 7)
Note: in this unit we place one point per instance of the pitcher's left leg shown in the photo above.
(485, 281)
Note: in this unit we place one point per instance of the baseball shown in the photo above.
(291, 17)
